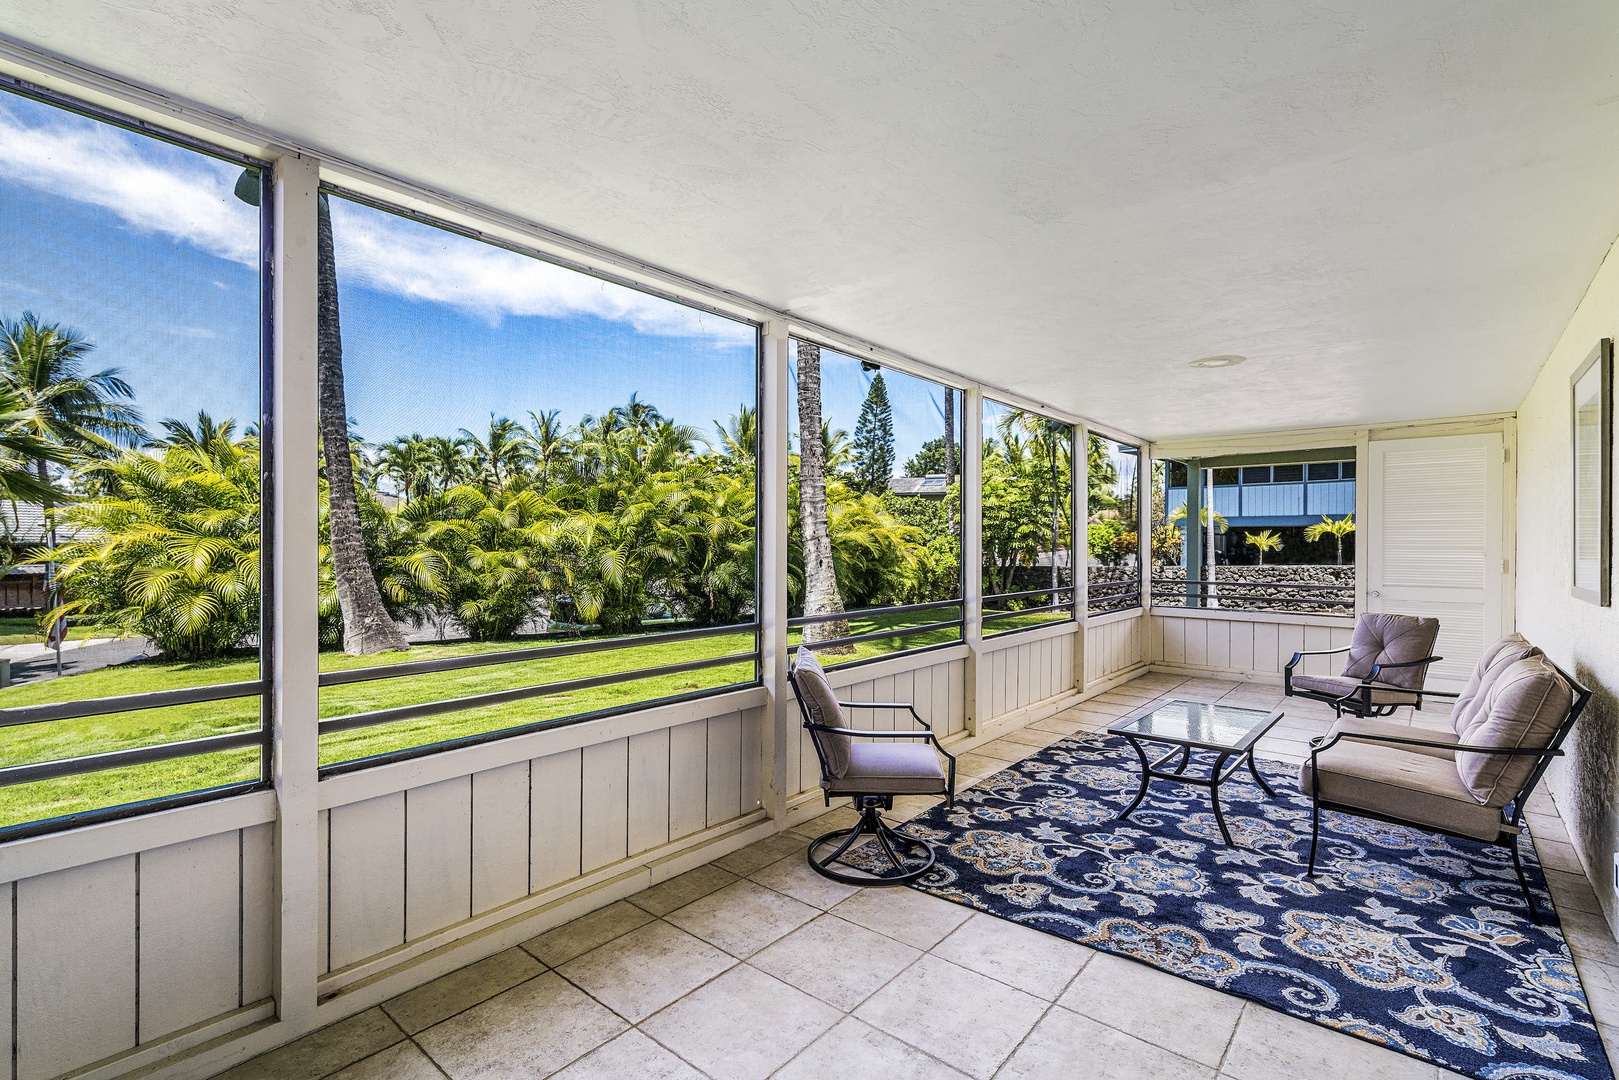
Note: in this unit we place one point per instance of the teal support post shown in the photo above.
(1192, 531)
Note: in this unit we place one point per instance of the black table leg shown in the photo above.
(1257, 778)
(1214, 798)
(1146, 776)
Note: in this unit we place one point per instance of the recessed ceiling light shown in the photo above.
(1227, 360)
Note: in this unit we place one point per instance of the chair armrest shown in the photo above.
(1426, 660)
(1302, 653)
(887, 705)
(1322, 742)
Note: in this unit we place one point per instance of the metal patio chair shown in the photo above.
(1387, 666)
(870, 773)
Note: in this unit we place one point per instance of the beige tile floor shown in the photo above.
(754, 966)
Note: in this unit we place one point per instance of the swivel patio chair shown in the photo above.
(1387, 666)
(870, 773)
(1470, 782)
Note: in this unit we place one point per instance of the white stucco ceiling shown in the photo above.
(1390, 207)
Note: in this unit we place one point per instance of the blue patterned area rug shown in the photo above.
(1405, 938)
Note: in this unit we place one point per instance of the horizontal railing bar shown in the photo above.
(115, 759)
(900, 609)
(1256, 599)
(1028, 611)
(123, 811)
(878, 635)
(1249, 584)
(155, 699)
(501, 697)
(407, 753)
(1025, 595)
(518, 656)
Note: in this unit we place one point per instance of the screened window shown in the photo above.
(543, 508)
(1113, 526)
(1282, 545)
(874, 508)
(1028, 519)
(131, 470)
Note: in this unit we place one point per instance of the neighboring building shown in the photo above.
(1274, 496)
(931, 486)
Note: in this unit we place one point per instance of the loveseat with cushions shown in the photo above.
(1471, 781)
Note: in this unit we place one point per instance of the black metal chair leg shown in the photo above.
(871, 824)
(1315, 825)
(1523, 882)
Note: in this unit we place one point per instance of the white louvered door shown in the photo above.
(1434, 539)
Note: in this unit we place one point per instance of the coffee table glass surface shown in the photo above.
(1200, 724)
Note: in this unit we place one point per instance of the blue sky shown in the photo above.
(143, 247)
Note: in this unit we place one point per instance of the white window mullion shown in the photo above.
(972, 551)
(771, 517)
(295, 437)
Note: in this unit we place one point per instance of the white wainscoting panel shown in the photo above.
(190, 933)
(258, 912)
(76, 964)
(367, 878)
(438, 856)
(554, 849)
(1113, 646)
(1248, 645)
(500, 840)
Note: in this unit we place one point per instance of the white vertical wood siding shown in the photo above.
(1254, 648)
(1114, 645)
(1024, 672)
(125, 951)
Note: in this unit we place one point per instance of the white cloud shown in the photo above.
(420, 262)
(161, 189)
(153, 187)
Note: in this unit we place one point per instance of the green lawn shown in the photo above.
(71, 738)
(24, 630)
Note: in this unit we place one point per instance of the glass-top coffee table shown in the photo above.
(1230, 732)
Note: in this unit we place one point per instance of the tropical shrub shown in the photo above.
(169, 549)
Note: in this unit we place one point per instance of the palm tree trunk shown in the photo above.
(1056, 518)
(821, 595)
(367, 627)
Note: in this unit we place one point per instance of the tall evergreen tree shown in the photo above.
(874, 440)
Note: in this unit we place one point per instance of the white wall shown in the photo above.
(1579, 636)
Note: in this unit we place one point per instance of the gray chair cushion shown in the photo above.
(1338, 686)
(1381, 638)
(1469, 707)
(1523, 707)
(1422, 788)
(1400, 730)
(816, 694)
(886, 768)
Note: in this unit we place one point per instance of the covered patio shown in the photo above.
(445, 437)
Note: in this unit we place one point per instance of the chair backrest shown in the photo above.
(821, 711)
(1495, 659)
(1530, 703)
(1381, 638)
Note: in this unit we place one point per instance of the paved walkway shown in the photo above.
(34, 663)
(753, 967)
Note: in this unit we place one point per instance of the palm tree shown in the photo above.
(447, 463)
(1263, 541)
(548, 441)
(1337, 528)
(821, 596)
(1179, 515)
(950, 452)
(739, 436)
(408, 462)
(502, 453)
(367, 626)
(207, 430)
(1050, 440)
(21, 450)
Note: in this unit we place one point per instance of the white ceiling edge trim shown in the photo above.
(194, 120)
(1324, 438)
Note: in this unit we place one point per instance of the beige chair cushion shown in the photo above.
(1523, 707)
(1469, 708)
(885, 768)
(1338, 686)
(1400, 730)
(816, 694)
(1422, 788)
(1381, 638)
